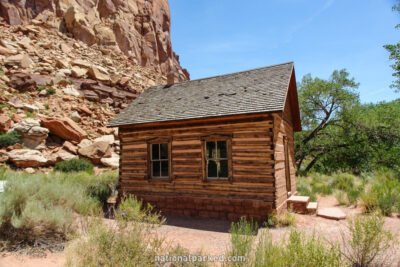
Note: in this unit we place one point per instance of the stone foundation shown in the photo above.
(215, 208)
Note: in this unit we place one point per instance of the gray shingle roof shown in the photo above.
(252, 91)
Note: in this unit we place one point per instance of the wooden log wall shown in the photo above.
(283, 127)
(251, 190)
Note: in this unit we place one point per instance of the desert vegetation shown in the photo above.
(39, 210)
(379, 190)
(364, 242)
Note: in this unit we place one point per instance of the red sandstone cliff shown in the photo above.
(139, 28)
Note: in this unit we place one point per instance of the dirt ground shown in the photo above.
(212, 237)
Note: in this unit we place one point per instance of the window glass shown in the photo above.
(159, 160)
(223, 169)
(164, 151)
(164, 168)
(155, 152)
(156, 168)
(210, 149)
(217, 159)
(212, 169)
(221, 149)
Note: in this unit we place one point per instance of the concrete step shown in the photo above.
(298, 203)
(312, 207)
(299, 199)
(331, 213)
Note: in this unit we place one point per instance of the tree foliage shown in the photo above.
(341, 134)
(394, 50)
(322, 105)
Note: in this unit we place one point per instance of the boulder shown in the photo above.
(70, 147)
(33, 135)
(5, 123)
(76, 117)
(64, 155)
(81, 63)
(27, 82)
(24, 158)
(22, 60)
(97, 73)
(84, 110)
(30, 170)
(31, 108)
(106, 138)
(85, 143)
(70, 90)
(64, 128)
(6, 51)
(62, 63)
(112, 162)
(77, 72)
(96, 151)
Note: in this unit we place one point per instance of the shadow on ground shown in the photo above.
(212, 225)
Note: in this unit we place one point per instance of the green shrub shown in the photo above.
(40, 88)
(353, 194)
(367, 242)
(304, 189)
(46, 106)
(341, 197)
(127, 243)
(343, 181)
(280, 220)
(5, 106)
(51, 91)
(29, 114)
(383, 195)
(299, 250)
(242, 237)
(36, 208)
(132, 209)
(9, 139)
(74, 165)
(100, 187)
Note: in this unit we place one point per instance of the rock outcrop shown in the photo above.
(32, 134)
(64, 128)
(24, 158)
(141, 29)
(96, 151)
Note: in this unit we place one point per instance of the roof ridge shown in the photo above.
(226, 74)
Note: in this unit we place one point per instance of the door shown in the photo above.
(287, 165)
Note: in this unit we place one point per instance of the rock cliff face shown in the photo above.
(138, 28)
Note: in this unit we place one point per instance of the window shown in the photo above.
(159, 160)
(217, 159)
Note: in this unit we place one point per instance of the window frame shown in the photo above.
(216, 137)
(153, 141)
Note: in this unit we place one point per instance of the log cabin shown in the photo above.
(219, 147)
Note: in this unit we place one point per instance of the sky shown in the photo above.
(214, 37)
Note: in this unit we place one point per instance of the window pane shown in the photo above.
(164, 168)
(155, 152)
(156, 168)
(210, 150)
(212, 169)
(221, 148)
(223, 169)
(164, 151)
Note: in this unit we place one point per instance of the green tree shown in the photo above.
(394, 50)
(322, 105)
